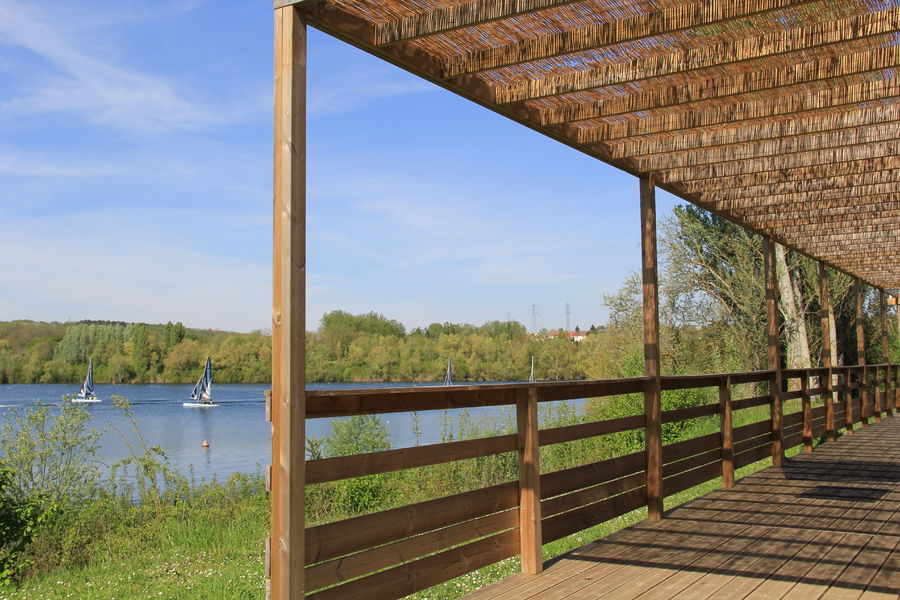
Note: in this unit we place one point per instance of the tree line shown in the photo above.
(37, 352)
(712, 320)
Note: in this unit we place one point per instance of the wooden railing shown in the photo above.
(396, 552)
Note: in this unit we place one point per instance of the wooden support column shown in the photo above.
(825, 297)
(807, 413)
(861, 357)
(774, 341)
(849, 419)
(289, 308)
(884, 403)
(727, 428)
(652, 399)
(529, 481)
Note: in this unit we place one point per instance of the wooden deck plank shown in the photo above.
(826, 525)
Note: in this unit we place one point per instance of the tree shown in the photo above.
(140, 350)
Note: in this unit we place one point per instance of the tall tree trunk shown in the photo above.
(794, 318)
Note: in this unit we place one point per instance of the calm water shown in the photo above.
(239, 437)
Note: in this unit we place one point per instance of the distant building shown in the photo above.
(577, 336)
(573, 336)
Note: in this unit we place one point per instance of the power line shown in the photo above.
(534, 314)
(568, 312)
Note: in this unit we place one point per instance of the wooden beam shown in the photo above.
(673, 18)
(888, 398)
(774, 342)
(825, 320)
(881, 402)
(841, 118)
(861, 355)
(858, 167)
(753, 151)
(529, 482)
(825, 205)
(712, 84)
(726, 428)
(739, 109)
(288, 308)
(881, 219)
(652, 398)
(833, 156)
(878, 183)
(721, 51)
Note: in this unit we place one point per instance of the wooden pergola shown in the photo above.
(780, 115)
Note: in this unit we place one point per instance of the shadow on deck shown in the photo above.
(825, 525)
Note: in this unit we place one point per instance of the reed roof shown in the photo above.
(781, 115)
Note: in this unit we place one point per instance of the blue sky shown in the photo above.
(135, 181)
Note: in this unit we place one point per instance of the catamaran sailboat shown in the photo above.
(448, 377)
(201, 396)
(86, 394)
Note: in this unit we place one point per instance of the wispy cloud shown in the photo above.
(349, 91)
(100, 91)
(111, 267)
(28, 163)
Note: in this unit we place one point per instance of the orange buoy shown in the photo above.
(205, 444)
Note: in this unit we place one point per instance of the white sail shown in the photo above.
(86, 393)
(202, 392)
(448, 377)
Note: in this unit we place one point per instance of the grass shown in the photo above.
(211, 547)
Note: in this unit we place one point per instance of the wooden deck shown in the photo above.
(827, 525)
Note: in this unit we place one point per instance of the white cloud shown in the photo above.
(85, 83)
(349, 91)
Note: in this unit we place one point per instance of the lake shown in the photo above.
(238, 435)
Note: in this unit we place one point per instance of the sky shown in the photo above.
(136, 181)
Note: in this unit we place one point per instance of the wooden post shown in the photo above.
(825, 297)
(652, 399)
(727, 429)
(861, 358)
(289, 308)
(883, 402)
(807, 413)
(529, 481)
(774, 354)
(848, 402)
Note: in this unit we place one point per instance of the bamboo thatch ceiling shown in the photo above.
(783, 115)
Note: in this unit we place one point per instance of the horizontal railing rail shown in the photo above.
(392, 553)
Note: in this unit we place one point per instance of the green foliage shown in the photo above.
(47, 462)
(138, 353)
(50, 452)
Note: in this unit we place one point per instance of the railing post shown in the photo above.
(876, 394)
(774, 341)
(529, 481)
(727, 429)
(652, 398)
(861, 357)
(884, 403)
(849, 420)
(807, 414)
(825, 298)
(287, 555)
(897, 381)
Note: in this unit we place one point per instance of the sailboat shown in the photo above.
(86, 394)
(531, 377)
(201, 396)
(448, 377)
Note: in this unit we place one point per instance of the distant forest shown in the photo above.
(37, 352)
(345, 347)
